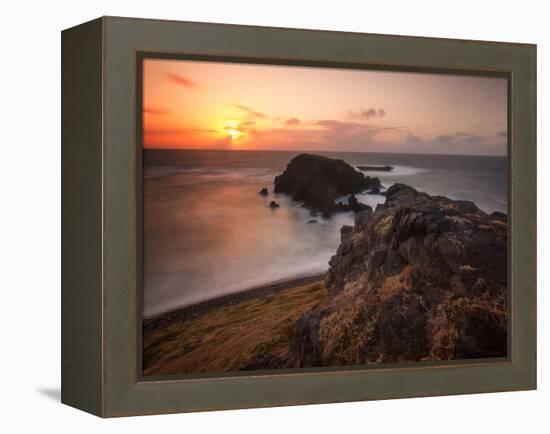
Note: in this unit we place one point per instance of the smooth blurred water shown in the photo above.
(207, 231)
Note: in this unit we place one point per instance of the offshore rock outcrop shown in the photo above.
(318, 181)
(385, 168)
(421, 278)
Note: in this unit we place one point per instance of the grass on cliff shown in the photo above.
(230, 338)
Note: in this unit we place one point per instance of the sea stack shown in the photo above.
(318, 181)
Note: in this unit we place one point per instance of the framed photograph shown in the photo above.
(262, 217)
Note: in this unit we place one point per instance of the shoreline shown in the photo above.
(204, 307)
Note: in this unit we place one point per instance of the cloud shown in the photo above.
(360, 135)
(155, 111)
(460, 143)
(444, 138)
(413, 140)
(333, 125)
(324, 134)
(173, 131)
(181, 80)
(473, 139)
(365, 114)
(249, 111)
(292, 121)
(461, 138)
(329, 134)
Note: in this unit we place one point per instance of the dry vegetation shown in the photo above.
(254, 334)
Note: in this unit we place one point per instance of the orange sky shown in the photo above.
(212, 105)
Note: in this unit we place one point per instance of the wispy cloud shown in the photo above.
(249, 111)
(155, 111)
(366, 113)
(459, 143)
(461, 138)
(413, 139)
(292, 122)
(353, 127)
(325, 133)
(444, 138)
(175, 131)
(181, 79)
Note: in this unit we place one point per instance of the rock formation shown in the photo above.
(318, 181)
(421, 278)
(357, 206)
(375, 168)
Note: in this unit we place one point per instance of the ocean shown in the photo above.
(208, 233)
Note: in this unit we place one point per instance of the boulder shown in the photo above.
(273, 204)
(264, 192)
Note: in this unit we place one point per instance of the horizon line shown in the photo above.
(310, 152)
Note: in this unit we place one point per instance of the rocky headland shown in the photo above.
(421, 278)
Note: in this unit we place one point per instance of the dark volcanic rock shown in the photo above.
(264, 192)
(318, 181)
(375, 168)
(500, 216)
(274, 204)
(357, 206)
(421, 278)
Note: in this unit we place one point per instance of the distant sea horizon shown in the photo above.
(208, 233)
(306, 151)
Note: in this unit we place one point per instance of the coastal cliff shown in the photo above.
(421, 278)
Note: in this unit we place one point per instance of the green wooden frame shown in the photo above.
(101, 226)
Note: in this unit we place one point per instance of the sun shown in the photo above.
(234, 134)
(231, 128)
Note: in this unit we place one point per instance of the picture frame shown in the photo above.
(101, 218)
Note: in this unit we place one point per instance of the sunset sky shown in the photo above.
(211, 105)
